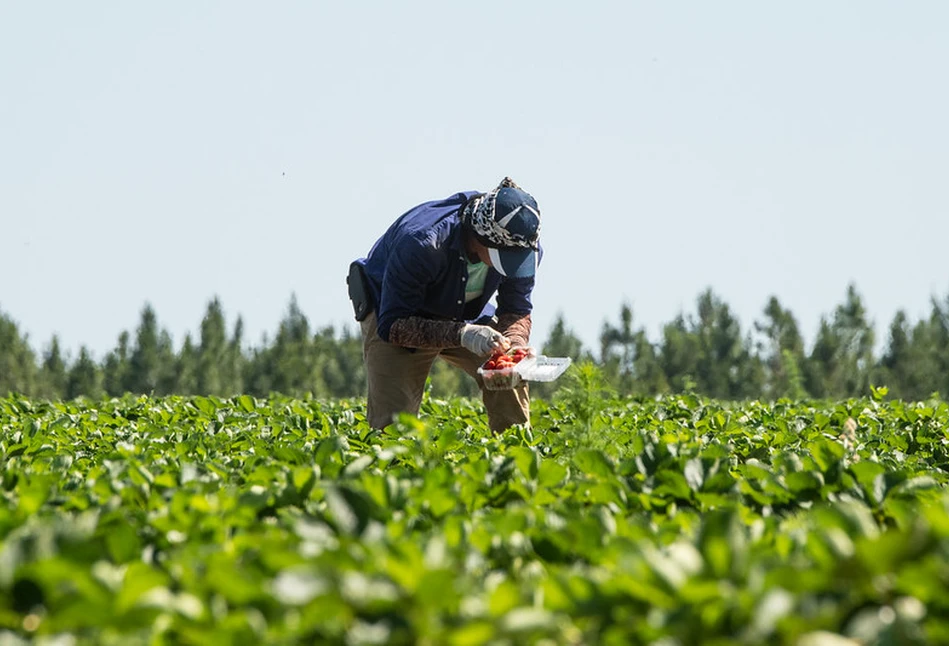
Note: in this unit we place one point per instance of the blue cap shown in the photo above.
(514, 262)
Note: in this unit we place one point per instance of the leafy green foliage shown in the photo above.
(196, 520)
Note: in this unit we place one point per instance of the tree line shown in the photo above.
(706, 352)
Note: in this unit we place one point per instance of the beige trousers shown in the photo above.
(397, 379)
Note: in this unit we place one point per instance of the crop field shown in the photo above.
(676, 520)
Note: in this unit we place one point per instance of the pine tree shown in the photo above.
(295, 364)
(341, 364)
(725, 368)
(679, 351)
(17, 361)
(145, 369)
(84, 377)
(235, 365)
(628, 360)
(116, 367)
(213, 353)
(781, 351)
(52, 379)
(841, 361)
(937, 342)
(186, 368)
(563, 342)
(618, 350)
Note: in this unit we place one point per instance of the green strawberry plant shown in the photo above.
(677, 520)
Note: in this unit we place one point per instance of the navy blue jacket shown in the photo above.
(419, 268)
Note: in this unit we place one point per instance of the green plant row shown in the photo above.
(678, 520)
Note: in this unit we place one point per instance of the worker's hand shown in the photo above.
(482, 339)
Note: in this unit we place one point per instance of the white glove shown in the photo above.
(482, 339)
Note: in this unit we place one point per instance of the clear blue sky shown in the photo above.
(170, 152)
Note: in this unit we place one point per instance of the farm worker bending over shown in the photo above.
(423, 292)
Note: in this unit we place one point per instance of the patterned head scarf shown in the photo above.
(506, 217)
(507, 222)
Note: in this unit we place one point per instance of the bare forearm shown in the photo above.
(420, 332)
(516, 327)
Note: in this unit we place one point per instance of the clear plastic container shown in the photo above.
(536, 368)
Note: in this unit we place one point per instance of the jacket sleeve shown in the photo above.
(412, 267)
(514, 296)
